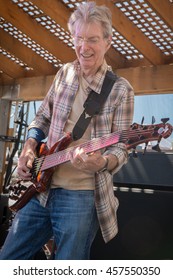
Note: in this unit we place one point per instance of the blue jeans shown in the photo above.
(69, 216)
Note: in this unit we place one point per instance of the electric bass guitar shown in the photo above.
(44, 165)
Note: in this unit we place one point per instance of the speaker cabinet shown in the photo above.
(145, 228)
(151, 169)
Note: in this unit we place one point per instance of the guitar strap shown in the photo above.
(92, 105)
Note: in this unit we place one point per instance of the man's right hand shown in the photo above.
(26, 159)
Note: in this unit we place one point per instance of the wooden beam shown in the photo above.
(145, 80)
(5, 80)
(117, 61)
(19, 50)
(34, 88)
(114, 59)
(10, 92)
(17, 17)
(56, 10)
(164, 9)
(13, 69)
(60, 13)
(132, 34)
(149, 80)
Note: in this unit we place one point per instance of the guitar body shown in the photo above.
(46, 162)
(22, 191)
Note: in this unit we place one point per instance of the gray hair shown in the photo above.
(89, 12)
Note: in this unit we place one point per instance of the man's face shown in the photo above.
(90, 46)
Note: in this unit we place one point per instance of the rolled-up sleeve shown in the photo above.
(123, 117)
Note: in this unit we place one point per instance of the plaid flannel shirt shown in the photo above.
(115, 115)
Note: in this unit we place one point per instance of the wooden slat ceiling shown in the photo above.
(34, 40)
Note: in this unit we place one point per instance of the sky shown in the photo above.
(160, 106)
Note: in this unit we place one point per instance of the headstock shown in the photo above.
(139, 133)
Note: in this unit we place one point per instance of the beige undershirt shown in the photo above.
(66, 175)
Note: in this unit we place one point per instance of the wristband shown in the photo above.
(36, 133)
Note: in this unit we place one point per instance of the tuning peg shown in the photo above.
(145, 148)
(142, 121)
(165, 120)
(156, 148)
(153, 120)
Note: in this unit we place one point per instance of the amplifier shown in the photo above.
(153, 169)
(145, 228)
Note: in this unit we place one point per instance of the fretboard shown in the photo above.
(89, 146)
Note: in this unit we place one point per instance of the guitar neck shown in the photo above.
(93, 145)
(132, 137)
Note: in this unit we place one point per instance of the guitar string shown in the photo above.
(94, 144)
(64, 155)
